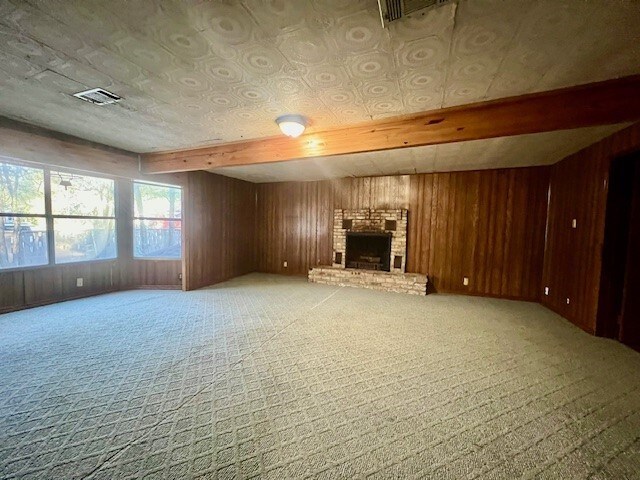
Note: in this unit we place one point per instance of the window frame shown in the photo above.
(82, 217)
(134, 218)
(49, 216)
(45, 179)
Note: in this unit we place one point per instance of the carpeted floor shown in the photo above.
(272, 377)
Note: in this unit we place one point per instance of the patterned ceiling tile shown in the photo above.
(380, 88)
(184, 42)
(423, 81)
(18, 66)
(222, 72)
(143, 52)
(326, 75)
(418, 101)
(339, 96)
(274, 17)
(370, 65)
(248, 94)
(461, 92)
(21, 46)
(304, 46)
(433, 22)
(98, 22)
(423, 53)
(194, 71)
(261, 60)
(190, 81)
(351, 114)
(53, 81)
(117, 67)
(384, 107)
(360, 32)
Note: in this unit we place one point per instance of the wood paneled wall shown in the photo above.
(486, 225)
(164, 274)
(573, 257)
(219, 226)
(40, 286)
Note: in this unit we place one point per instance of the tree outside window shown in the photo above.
(157, 224)
(23, 226)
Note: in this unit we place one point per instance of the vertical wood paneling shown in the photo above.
(573, 257)
(219, 225)
(486, 225)
(156, 273)
(473, 224)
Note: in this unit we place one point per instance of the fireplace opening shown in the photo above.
(369, 251)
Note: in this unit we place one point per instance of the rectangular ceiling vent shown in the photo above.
(98, 96)
(392, 10)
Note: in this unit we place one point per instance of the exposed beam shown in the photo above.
(603, 103)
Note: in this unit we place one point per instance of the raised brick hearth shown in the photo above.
(369, 250)
(413, 283)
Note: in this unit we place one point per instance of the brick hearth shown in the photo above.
(413, 283)
(392, 222)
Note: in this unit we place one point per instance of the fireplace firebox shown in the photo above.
(368, 251)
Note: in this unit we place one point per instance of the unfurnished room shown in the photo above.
(320, 239)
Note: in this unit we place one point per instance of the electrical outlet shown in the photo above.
(79, 282)
(568, 301)
(574, 223)
(285, 264)
(465, 281)
(546, 291)
(179, 276)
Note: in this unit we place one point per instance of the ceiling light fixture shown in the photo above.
(292, 125)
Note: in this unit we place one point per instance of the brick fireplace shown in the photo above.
(368, 224)
(369, 250)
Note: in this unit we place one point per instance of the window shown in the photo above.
(83, 212)
(157, 223)
(23, 225)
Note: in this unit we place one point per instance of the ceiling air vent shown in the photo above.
(392, 10)
(98, 96)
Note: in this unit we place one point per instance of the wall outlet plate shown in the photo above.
(574, 223)
(465, 281)
(79, 282)
(546, 290)
(285, 264)
(568, 301)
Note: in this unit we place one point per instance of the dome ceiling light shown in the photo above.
(292, 125)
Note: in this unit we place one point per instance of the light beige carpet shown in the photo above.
(272, 377)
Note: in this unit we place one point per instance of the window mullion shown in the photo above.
(49, 216)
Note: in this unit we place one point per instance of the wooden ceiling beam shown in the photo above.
(602, 103)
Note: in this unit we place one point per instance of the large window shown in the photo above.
(49, 216)
(23, 225)
(157, 223)
(84, 223)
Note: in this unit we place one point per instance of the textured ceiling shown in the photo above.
(194, 72)
(519, 151)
